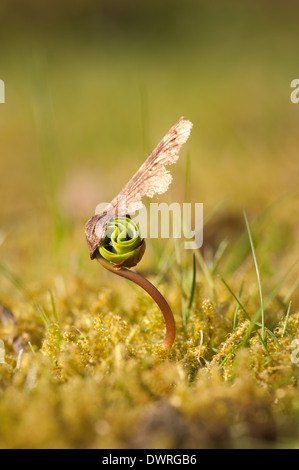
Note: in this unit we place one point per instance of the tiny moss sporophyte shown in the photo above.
(114, 239)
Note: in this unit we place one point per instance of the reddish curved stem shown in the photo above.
(153, 292)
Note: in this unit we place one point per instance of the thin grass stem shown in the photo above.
(237, 306)
(191, 297)
(257, 274)
(287, 318)
(253, 320)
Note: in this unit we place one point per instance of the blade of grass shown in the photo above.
(32, 348)
(179, 264)
(218, 255)
(240, 250)
(207, 274)
(191, 297)
(287, 297)
(287, 318)
(257, 274)
(277, 288)
(188, 179)
(43, 315)
(228, 355)
(144, 117)
(53, 306)
(270, 333)
(236, 309)
(13, 279)
(252, 320)
(166, 264)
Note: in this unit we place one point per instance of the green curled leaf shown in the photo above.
(122, 244)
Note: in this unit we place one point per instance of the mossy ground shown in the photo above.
(83, 368)
(81, 365)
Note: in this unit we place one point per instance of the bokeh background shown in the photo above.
(92, 86)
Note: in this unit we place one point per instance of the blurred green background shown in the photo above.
(92, 86)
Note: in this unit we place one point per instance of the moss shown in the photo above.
(97, 379)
